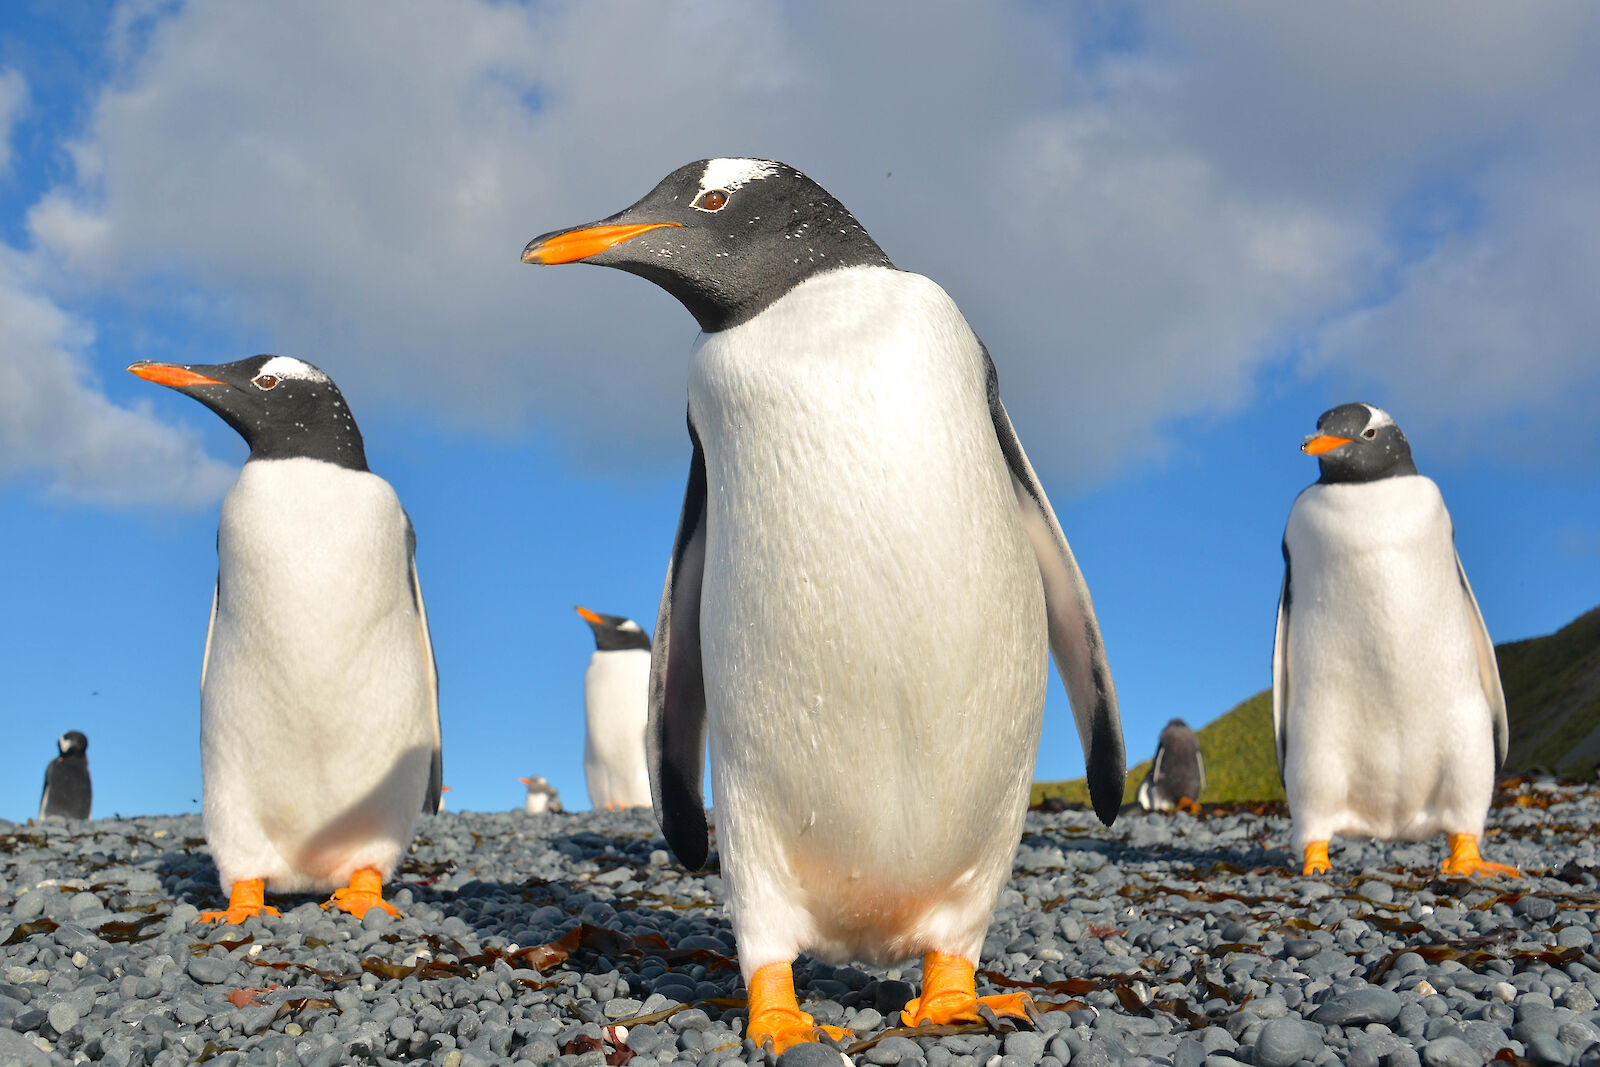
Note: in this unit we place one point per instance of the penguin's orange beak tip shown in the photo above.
(588, 615)
(525, 781)
(169, 374)
(570, 246)
(1316, 446)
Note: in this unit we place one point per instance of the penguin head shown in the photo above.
(727, 237)
(284, 408)
(613, 633)
(72, 742)
(1359, 443)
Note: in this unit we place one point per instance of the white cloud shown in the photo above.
(13, 103)
(57, 423)
(1137, 230)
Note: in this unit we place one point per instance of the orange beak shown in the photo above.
(1316, 446)
(525, 781)
(587, 614)
(170, 374)
(573, 245)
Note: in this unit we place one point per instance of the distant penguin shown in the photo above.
(616, 703)
(67, 792)
(542, 796)
(866, 586)
(1386, 699)
(1178, 771)
(319, 699)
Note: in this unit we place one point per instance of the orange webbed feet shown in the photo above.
(1316, 858)
(950, 995)
(247, 900)
(1465, 861)
(775, 1014)
(364, 893)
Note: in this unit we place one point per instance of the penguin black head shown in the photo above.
(613, 633)
(72, 743)
(727, 237)
(284, 408)
(1359, 443)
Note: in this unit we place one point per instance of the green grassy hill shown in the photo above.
(1552, 687)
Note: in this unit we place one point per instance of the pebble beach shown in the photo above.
(577, 939)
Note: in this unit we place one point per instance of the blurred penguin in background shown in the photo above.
(542, 796)
(616, 704)
(67, 793)
(1177, 774)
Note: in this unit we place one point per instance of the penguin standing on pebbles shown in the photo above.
(1386, 700)
(616, 701)
(542, 796)
(1178, 772)
(319, 700)
(67, 792)
(864, 593)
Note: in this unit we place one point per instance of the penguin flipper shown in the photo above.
(1280, 668)
(211, 626)
(1488, 670)
(430, 797)
(675, 737)
(1074, 631)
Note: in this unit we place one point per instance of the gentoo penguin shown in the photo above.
(67, 792)
(1386, 700)
(319, 700)
(1178, 771)
(616, 701)
(542, 796)
(865, 588)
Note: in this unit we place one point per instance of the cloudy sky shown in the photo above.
(1183, 233)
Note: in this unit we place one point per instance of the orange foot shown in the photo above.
(1316, 858)
(949, 995)
(1464, 860)
(775, 1014)
(364, 893)
(1190, 805)
(246, 901)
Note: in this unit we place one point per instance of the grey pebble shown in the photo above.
(1450, 1051)
(1284, 1042)
(1358, 1007)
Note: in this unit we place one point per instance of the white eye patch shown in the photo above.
(729, 174)
(289, 367)
(1377, 418)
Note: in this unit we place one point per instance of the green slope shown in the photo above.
(1552, 687)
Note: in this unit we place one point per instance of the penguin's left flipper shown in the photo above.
(1488, 669)
(435, 789)
(1074, 632)
(1280, 668)
(675, 738)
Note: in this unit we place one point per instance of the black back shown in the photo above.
(1176, 772)
(67, 791)
(1376, 449)
(729, 264)
(284, 408)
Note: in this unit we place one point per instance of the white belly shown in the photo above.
(1390, 734)
(616, 693)
(872, 626)
(316, 723)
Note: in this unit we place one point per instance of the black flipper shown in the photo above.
(675, 740)
(1074, 632)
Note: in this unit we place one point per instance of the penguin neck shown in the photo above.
(338, 442)
(1341, 475)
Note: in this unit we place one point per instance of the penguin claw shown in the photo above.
(245, 901)
(1465, 861)
(949, 996)
(776, 1021)
(364, 893)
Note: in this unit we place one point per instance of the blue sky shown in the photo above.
(1183, 234)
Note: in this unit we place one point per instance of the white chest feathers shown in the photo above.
(316, 709)
(615, 698)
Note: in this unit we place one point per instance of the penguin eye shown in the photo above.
(264, 381)
(711, 200)
(1369, 433)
